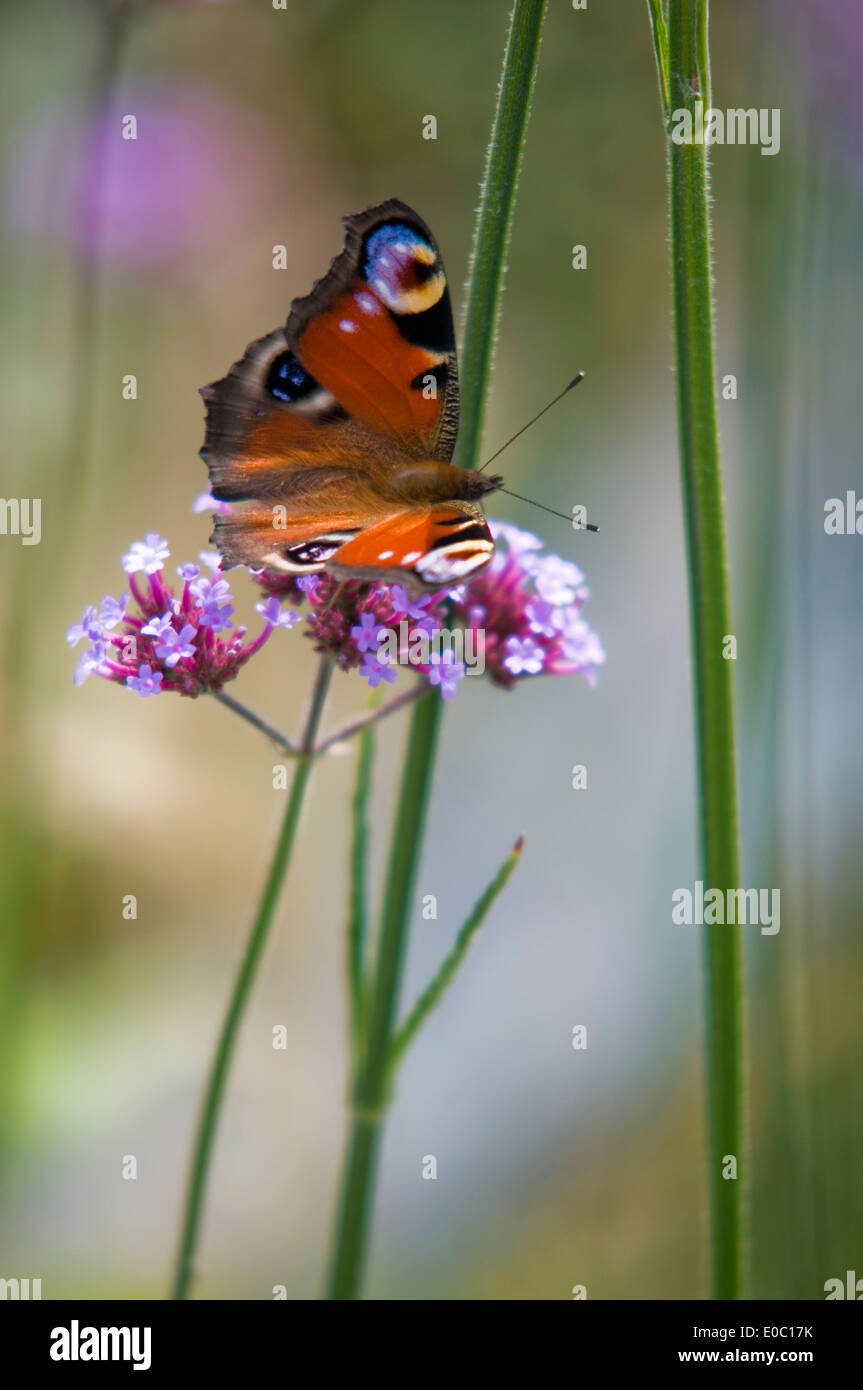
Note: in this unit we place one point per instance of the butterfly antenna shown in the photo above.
(588, 525)
(558, 397)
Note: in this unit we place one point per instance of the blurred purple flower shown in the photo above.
(200, 171)
(827, 39)
(524, 656)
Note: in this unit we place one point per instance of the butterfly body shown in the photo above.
(339, 428)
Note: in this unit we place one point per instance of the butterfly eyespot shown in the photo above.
(311, 552)
(404, 269)
(288, 379)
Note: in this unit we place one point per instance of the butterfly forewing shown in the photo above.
(342, 424)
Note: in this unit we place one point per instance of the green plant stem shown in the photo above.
(434, 992)
(488, 261)
(369, 1098)
(704, 510)
(215, 1090)
(660, 48)
(340, 735)
(282, 743)
(493, 227)
(358, 914)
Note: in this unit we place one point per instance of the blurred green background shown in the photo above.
(555, 1167)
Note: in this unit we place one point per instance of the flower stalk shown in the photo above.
(683, 60)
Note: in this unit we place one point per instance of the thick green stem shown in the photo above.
(215, 1091)
(370, 1097)
(493, 228)
(689, 80)
(488, 261)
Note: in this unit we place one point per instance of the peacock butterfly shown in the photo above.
(339, 428)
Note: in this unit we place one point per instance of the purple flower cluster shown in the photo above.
(528, 603)
(151, 640)
(523, 613)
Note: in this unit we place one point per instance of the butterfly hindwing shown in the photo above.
(427, 547)
(424, 547)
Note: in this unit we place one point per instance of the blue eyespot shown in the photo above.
(397, 258)
(288, 379)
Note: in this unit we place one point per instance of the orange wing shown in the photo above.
(427, 547)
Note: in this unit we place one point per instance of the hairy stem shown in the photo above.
(704, 509)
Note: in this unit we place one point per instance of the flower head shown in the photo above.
(528, 603)
(152, 639)
(522, 612)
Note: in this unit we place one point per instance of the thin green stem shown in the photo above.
(282, 743)
(374, 716)
(358, 916)
(215, 1090)
(370, 1093)
(704, 509)
(339, 735)
(432, 995)
(660, 48)
(488, 260)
